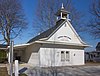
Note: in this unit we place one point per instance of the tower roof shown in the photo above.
(63, 10)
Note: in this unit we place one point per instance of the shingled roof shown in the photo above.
(48, 32)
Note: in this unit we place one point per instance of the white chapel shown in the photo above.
(58, 46)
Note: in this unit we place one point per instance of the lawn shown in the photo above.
(3, 71)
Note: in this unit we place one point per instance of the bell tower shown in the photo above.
(62, 13)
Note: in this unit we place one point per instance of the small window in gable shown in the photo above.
(65, 25)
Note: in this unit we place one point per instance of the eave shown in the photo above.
(62, 43)
(19, 46)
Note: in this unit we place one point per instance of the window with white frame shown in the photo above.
(64, 55)
(67, 55)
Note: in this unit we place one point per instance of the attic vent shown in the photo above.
(65, 25)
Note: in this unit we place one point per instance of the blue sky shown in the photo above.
(30, 7)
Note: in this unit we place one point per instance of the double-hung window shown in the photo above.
(67, 56)
(64, 55)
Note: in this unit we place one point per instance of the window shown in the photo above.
(65, 25)
(67, 56)
(64, 55)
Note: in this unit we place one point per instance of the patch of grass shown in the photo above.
(3, 71)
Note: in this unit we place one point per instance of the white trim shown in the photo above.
(51, 42)
(61, 43)
(61, 15)
(75, 32)
(20, 45)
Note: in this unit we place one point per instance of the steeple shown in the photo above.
(62, 6)
(62, 13)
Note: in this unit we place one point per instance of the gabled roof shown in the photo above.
(48, 32)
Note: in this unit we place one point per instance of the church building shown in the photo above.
(58, 46)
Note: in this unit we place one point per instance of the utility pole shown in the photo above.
(11, 58)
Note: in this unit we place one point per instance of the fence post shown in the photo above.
(16, 68)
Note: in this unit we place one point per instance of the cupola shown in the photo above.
(62, 13)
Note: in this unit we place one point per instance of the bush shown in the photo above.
(2, 56)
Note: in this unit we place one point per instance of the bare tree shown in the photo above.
(47, 9)
(95, 18)
(12, 19)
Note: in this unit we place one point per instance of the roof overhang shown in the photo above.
(20, 46)
(62, 43)
(51, 43)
